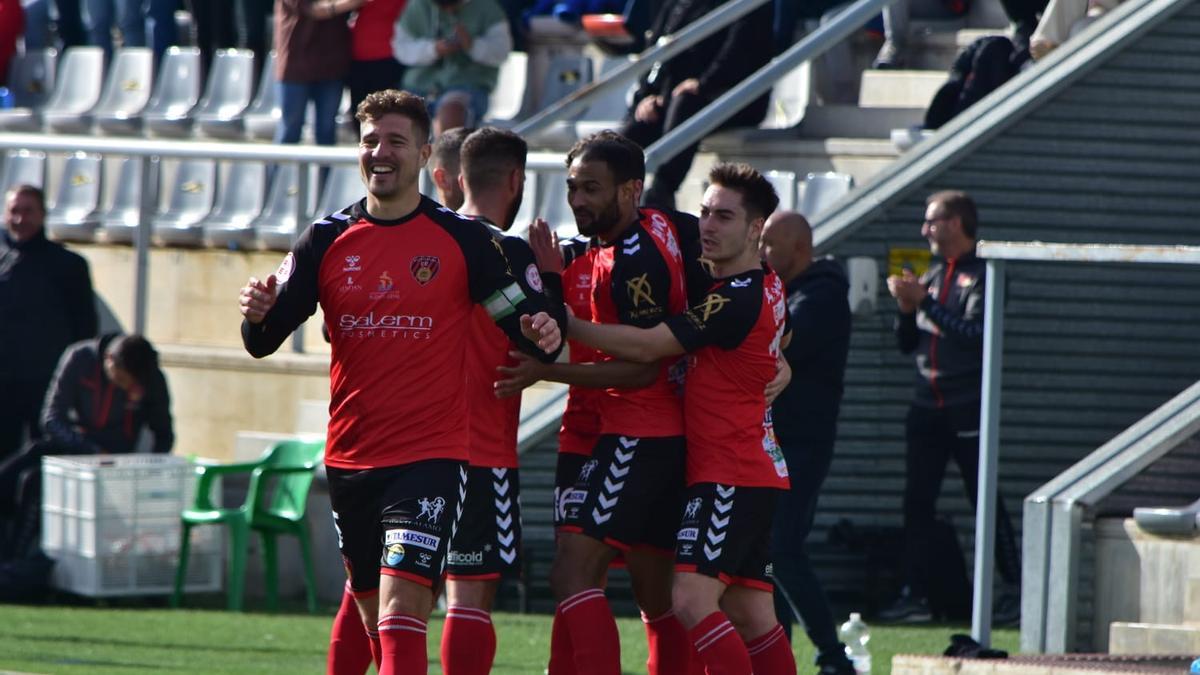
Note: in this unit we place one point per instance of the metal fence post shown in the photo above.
(148, 206)
(989, 448)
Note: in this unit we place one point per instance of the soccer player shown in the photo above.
(397, 276)
(722, 590)
(445, 166)
(486, 545)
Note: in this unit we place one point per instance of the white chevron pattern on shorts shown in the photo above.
(716, 533)
(506, 534)
(613, 482)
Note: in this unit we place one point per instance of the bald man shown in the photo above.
(805, 417)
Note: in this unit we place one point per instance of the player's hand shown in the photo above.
(688, 86)
(544, 243)
(542, 330)
(257, 298)
(908, 291)
(783, 375)
(647, 109)
(518, 376)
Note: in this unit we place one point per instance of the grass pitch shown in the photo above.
(50, 639)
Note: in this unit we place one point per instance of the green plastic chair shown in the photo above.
(275, 502)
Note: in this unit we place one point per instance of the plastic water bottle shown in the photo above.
(856, 635)
(6, 97)
(1196, 667)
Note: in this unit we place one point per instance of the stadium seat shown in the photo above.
(789, 99)
(120, 221)
(606, 112)
(343, 187)
(784, 183)
(566, 74)
(262, 117)
(76, 90)
(529, 202)
(230, 88)
(276, 225)
(823, 189)
(275, 504)
(552, 207)
(190, 201)
(23, 167)
(507, 102)
(176, 92)
(30, 79)
(126, 92)
(74, 214)
(230, 225)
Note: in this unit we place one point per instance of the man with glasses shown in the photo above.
(941, 320)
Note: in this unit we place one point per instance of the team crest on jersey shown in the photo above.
(424, 268)
(640, 291)
(965, 280)
(533, 277)
(286, 268)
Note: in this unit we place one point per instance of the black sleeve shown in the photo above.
(723, 318)
(907, 335)
(57, 420)
(696, 269)
(297, 298)
(746, 48)
(967, 328)
(822, 318)
(641, 282)
(502, 272)
(81, 300)
(158, 413)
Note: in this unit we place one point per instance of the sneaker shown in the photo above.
(834, 663)
(891, 57)
(908, 608)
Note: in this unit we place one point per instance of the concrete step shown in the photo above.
(861, 158)
(1153, 638)
(899, 88)
(847, 121)
(1049, 664)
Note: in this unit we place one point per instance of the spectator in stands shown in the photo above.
(373, 66)
(941, 313)
(894, 53)
(12, 24)
(805, 417)
(444, 166)
(1064, 19)
(312, 56)
(215, 29)
(453, 50)
(979, 69)
(674, 91)
(105, 391)
(69, 25)
(251, 24)
(46, 304)
(130, 17)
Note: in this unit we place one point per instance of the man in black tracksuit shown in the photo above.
(675, 90)
(941, 320)
(805, 418)
(46, 303)
(104, 392)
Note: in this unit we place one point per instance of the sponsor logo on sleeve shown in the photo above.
(286, 268)
(533, 277)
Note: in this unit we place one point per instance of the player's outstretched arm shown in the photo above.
(601, 375)
(628, 343)
(274, 307)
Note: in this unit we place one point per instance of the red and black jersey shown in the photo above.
(582, 415)
(638, 280)
(733, 335)
(398, 297)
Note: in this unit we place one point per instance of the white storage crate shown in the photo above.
(111, 522)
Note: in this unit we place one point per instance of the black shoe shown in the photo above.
(834, 663)
(908, 608)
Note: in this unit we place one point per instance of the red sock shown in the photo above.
(562, 656)
(468, 642)
(719, 646)
(771, 653)
(349, 646)
(597, 647)
(402, 642)
(376, 649)
(671, 651)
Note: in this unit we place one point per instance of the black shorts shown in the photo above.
(487, 544)
(629, 492)
(566, 474)
(725, 533)
(396, 520)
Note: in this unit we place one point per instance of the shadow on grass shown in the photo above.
(111, 642)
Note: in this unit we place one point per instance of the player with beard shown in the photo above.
(397, 276)
(486, 545)
(722, 587)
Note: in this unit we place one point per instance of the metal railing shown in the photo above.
(1054, 513)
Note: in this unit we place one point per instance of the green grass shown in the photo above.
(110, 641)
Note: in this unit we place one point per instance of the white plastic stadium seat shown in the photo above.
(230, 88)
(789, 99)
(606, 112)
(507, 101)
(566, 74)
(126, 92)
(76, 90)
(276, 225)
(74, 213)
(190, 201)
(230, 225)
(23, 167)
(30, 79)
(823, 189)
(343, 187)
(262, 117)
(175, 94)
(552, 206)
(784, 183)
(120, 221)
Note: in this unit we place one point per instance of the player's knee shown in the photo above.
(690, 607)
